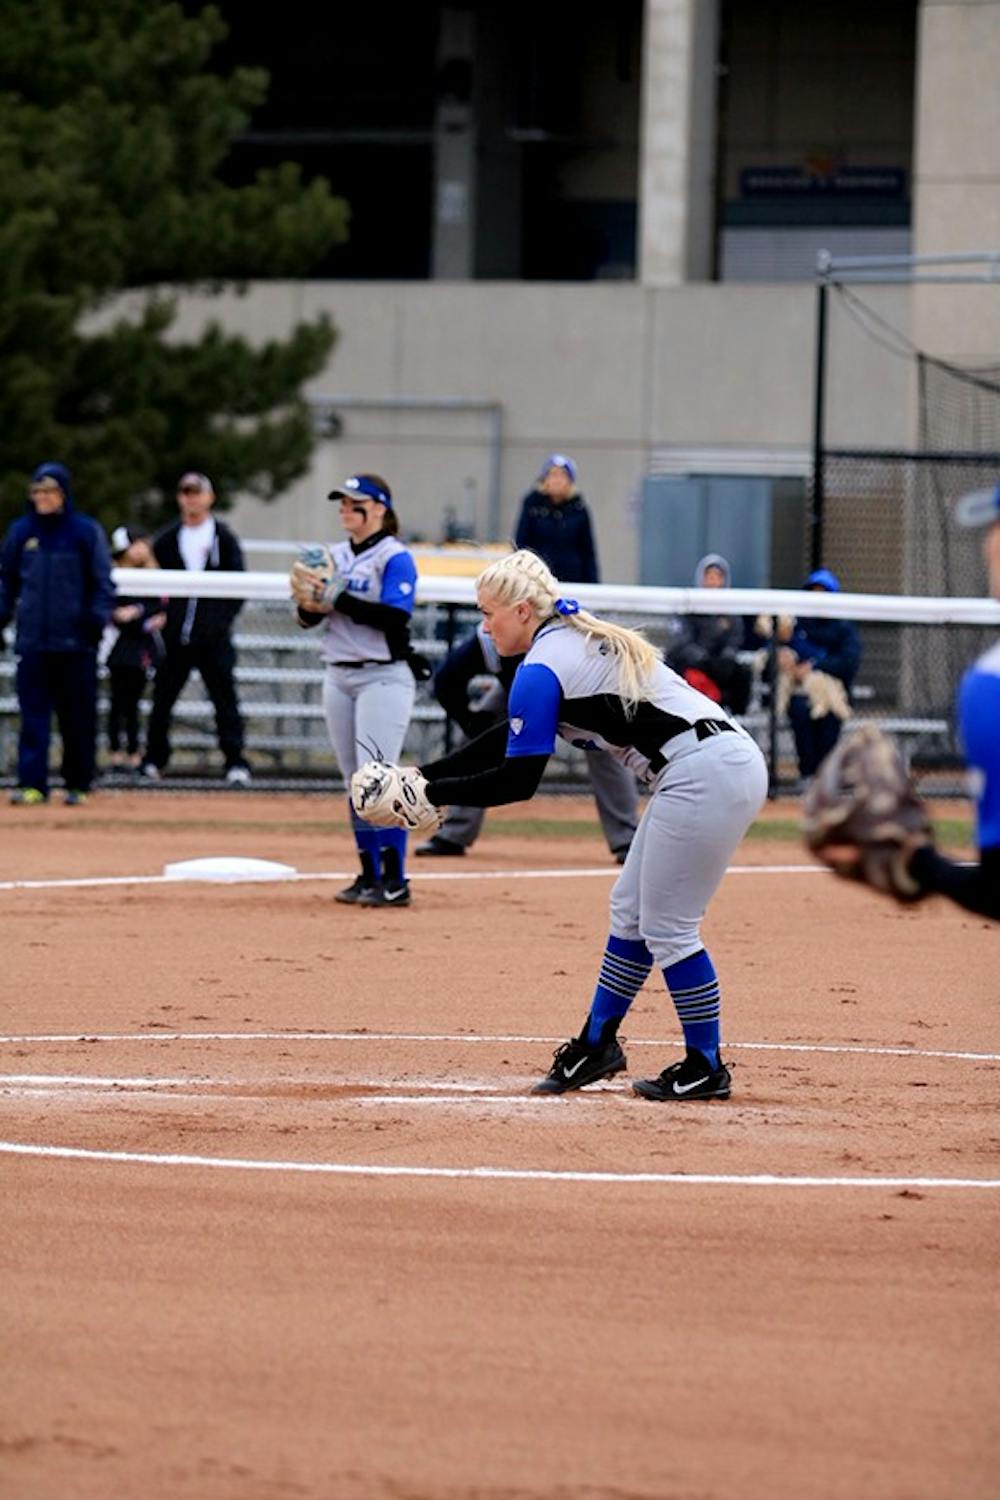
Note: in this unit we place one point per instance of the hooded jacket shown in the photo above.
(696, 640)
(55, 576)
(560, 534)
(833, 646)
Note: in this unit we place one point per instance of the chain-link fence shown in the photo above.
(280, 683)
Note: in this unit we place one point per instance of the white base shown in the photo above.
(229, 867)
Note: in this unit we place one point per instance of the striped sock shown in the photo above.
(627, 961)
(694, 989)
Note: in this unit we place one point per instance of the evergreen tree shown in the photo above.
(112, 135)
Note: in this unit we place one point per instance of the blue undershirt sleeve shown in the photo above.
(533, 710)
(399, 582)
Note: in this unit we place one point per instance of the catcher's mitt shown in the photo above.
(393, 797)
(314, 581)
(862, 816)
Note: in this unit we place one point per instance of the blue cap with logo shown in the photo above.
(362, 487)
(559, 461)
(980, 508)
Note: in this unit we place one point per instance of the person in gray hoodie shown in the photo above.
(703, 649)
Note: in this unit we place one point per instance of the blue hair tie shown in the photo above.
(567, 606)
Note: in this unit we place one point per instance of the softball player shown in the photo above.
(977, 887)
(599, 685)
(368, 687)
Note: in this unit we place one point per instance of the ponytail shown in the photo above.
(523, 578)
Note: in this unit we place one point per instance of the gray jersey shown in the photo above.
(383, 574)
(568, 685)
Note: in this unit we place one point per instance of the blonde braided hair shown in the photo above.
(523, 578)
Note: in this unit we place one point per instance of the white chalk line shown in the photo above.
(565, 873)
(470, 1039)
(494, 1174)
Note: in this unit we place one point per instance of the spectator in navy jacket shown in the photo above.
(825, 646)
(555, 523)
(55, 585)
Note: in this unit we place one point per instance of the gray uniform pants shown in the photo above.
(700, 806)
(367, 712)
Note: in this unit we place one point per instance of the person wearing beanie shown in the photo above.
(55, 586)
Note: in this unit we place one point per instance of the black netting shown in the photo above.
(888, 529)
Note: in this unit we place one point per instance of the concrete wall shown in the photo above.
(608, 373)
(957, 180)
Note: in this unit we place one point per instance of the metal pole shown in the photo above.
(818, 485)
(772, 712)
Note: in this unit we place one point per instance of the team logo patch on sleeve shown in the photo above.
(516, 725)
(406, 588)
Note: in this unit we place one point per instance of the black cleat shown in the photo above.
(691, 1078)
(440, 848)
(386, 893)
(574, 1065)
(352, 894)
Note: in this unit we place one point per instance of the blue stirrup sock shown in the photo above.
(694, 989)
(626, 963)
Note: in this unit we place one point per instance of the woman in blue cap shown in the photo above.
(364, 607)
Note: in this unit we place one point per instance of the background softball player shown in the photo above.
(361, 591)
(599, 684)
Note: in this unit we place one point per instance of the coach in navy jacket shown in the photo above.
(55, 585)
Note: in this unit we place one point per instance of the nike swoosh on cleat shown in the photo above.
(393, 895)
(685, 1088)
(568, 1072)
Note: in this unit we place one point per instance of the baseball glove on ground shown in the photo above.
(314, 581)
(862, 816)
(393, 797)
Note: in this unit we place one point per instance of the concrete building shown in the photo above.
(594, 228)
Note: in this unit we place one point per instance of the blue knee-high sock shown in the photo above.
(694, 989)
(626, 963)
(392, 848)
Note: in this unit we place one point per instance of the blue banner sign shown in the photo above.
(822, 181)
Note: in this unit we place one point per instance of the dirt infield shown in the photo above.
(281, 1220)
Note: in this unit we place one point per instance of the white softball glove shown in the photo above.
(314, 581)
(393, 797)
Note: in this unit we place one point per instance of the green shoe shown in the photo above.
(75, 799)
(28, 796)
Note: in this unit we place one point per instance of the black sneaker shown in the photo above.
(574, 1065)
(353, 893)
(692, 1078)
(439, 847)
(386, 893)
